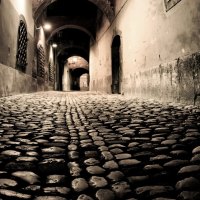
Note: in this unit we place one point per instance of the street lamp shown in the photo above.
(47, 26)
(54, 45)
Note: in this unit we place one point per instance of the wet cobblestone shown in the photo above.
(85, 146)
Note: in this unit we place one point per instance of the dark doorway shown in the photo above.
(116, 65)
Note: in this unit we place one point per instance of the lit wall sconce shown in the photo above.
(54, 45)
(46, 27)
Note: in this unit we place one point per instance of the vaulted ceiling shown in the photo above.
(74, 23)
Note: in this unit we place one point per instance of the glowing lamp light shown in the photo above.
(54, 45)
(47, 26)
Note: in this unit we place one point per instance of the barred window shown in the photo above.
(40, 61)
(51, 72)
(22, 42)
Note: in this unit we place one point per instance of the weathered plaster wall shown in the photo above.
(25, 7)
(84, 82)
(14, 82)
(52, 63)
(100, 60)
(66, 79)
(41, 38)
(159, 50)
(9, 22)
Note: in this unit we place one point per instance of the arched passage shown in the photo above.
(106, 6)
(74, 68)
(116, 68)
(75, 27)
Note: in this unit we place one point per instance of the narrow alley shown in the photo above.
(85, 146)
(99, 100)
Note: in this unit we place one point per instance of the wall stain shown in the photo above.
(177, 80)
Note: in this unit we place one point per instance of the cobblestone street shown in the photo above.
(85, 146)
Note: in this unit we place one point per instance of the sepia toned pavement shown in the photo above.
(85, 146)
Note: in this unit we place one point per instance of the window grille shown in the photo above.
(21, 57)
(41, 61)
(51, 72)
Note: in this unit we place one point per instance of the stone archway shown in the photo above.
(105, 5)
(116, 68)
(74, 68)
(64, 27)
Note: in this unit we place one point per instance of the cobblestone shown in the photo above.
(85, 146)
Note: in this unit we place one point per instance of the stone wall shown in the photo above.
(100, 60)
(15, 82)
(160, 44)
(178, 80)
(12, 81)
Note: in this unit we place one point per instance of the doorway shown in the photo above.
(116, 68)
